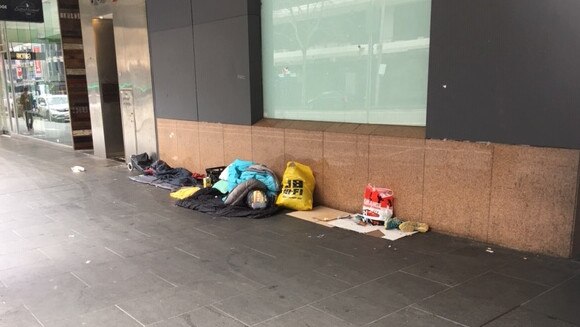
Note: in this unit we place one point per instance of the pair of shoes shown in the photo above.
(410, 226)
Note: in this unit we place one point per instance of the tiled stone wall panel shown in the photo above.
(457, 187)
(346, 167)
(237, 143)
(398, 164)
(533, 198)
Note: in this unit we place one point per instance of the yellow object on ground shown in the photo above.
(410, 226)
(297, 187)
(184, 192)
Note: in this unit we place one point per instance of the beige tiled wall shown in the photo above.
(515, 196)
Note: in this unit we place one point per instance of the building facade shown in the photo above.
(469, 111)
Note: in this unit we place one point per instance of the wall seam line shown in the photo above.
(490, 192)
(576, 216)
(423, 186)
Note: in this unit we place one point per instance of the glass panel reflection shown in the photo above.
(359, 61)
(35, 71)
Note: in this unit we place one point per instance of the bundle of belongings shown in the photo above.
(244, 189)
(162, 175)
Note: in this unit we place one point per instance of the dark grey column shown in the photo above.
(227, 43)
(172, 59)
(505, 71)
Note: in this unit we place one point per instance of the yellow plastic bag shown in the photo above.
(184, 192)
(297, 187)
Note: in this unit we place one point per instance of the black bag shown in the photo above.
(139, 162)
(214, 173)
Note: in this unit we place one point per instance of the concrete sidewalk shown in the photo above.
(95, 249)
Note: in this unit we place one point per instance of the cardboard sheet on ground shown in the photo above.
(376, 231)
(320, 215)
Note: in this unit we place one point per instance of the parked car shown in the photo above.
(53, 107)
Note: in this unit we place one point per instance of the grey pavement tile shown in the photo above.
(481, 299)
(368, 302)
(449, 269)
(15, 246)
(57, 298)
(356, 270)
(202, 317)
(48, 234)
(18, 317)
(562, 302)
(76, 255)
(523, 317)
(10, 236)
(495, 259)
(219, 286)
(305, 317)
(116, 291)
(130, 248)
(411, 317)
(265, 303)
(20, 258)
(165, 304)
(13, 222)
(26, 274)
(548, 271)
(109, 272)
(313, 286)
(108, 317)
(184, 270)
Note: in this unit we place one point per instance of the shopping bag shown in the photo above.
(297, 187)
(377, 204)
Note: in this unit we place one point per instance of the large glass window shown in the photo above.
(33, 61)
(360, 61)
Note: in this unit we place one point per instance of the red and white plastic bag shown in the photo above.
(378, 204)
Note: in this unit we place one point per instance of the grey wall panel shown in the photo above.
(222, 71)
(173, 70)
(255, 48)
(205, 11)
(505, 71)
(168, 14)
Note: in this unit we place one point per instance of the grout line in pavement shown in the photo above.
(44, 254)
(425, 278)
(549, 289)
(80, 279)
(333, 277)
(334, 294)
(142, 233)
(33, 315)
(163, 279)
(521, 279)
(438, 316)
(115, 253)
(326, 313)
(205, 232)
(227, 314)
(17, 234)
(336, 251)
(261, 252)
(188, 253)
(128, 314)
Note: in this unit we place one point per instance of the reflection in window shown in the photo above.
(362, 61)
(43, 75)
